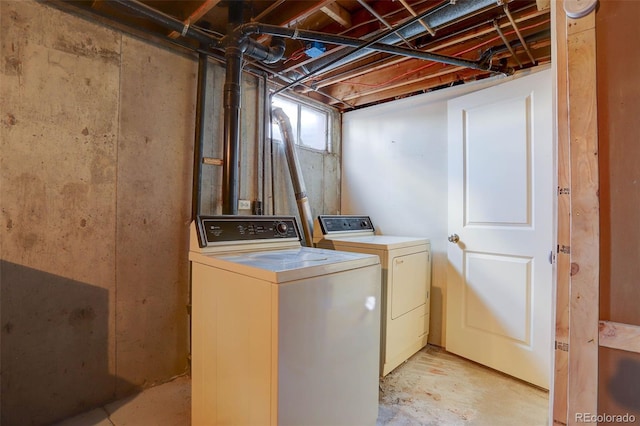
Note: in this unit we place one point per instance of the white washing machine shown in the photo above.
(406, 281)
(281, 334)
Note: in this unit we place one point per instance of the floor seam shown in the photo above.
(108, 415)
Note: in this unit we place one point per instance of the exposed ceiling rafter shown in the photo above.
(391, 62)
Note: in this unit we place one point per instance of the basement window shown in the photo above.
(310, 125)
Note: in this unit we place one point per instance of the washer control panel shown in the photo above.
(335, 223)
(213, 230)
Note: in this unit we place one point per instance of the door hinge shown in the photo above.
(552, 257)
(564, 249)
(564, 191)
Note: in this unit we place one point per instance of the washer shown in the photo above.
(281, 334)
(406, 281)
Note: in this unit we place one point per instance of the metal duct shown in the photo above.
(296, 174)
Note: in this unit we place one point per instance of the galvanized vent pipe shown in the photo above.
(296, 174)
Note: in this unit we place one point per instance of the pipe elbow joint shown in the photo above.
(276, 50)
(267, 55)
(249, 28)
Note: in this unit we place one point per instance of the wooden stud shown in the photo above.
(584, 281)
(576, 355)
(563, 266)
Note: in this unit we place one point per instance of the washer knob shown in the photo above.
(281, 228)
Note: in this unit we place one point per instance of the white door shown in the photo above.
(501, 198)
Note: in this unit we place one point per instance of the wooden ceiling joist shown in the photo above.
(197, 14)
(338, 14)
(372, 77)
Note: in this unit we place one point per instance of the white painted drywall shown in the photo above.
(394, 169)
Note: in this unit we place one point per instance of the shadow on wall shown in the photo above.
(619, 375)
(55, 348)
(624, 384)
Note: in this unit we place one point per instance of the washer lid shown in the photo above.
(384, 242)
(279, 266)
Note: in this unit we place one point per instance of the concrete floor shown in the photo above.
(432, 388)
(435, 387)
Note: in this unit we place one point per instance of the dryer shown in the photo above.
(281, 334)
(406, 281)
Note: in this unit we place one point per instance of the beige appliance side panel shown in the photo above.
(232, 328)
(406, 334)
(427, 314)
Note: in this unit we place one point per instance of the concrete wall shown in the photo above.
(95, 178)
(96, 161)
(321, 174)
(265, 175)
(250, 139)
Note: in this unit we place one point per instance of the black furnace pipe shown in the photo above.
(232, 103)
(170, 22)
(488, 54)
(250, 47)
(232, 97)
(258, 28)
(236, 45)
(198, 149)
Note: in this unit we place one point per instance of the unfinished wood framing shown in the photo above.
(618, 106)
(584, 288)
(575, 387)
(620, 336)
(563, 264)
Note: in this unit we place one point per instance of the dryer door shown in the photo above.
(408, 282)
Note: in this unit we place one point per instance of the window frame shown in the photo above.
(325, 111)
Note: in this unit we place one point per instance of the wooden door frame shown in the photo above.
(577, 299)
(579, 333)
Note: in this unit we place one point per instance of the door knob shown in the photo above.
(454, 238)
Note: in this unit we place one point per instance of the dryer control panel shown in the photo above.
(214, 230)
(335, 223)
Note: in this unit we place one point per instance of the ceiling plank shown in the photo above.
(405, 85)
(338, 14)
(543, 4)
(298, 16)
(196, 15)
(533, 19)
(425, 85)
